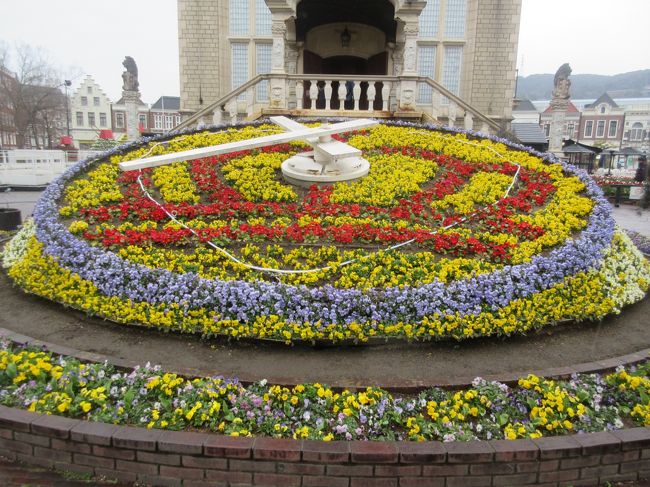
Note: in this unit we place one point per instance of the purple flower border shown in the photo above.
(244, 300)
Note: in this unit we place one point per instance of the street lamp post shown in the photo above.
(67, 83)
(611, 161)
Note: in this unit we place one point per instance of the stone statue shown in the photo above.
(562, 82)
(130, 76)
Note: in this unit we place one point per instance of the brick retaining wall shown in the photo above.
(200, 459)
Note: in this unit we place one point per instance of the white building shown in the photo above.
(90, 112)
(636, 132)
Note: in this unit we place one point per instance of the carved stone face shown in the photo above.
(408, 99)
(276, 96)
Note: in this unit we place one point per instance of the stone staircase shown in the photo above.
(348, 96)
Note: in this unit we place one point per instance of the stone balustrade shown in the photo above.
(342, 96)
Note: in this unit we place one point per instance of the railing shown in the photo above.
(35, 168)
(37, 157)
(342, 95)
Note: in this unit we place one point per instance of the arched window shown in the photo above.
(636, 133)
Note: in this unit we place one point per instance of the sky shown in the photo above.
(89, 37)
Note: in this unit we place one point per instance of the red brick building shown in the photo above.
(602, 123)
(164, 115)
(8, 131)
(571, 122)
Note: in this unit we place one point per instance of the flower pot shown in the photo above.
(9, 218)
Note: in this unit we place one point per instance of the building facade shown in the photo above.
(636, 131)
(120, 119)
(8, 132)
(90, 112)
(164, 115)
(601, 123)
(570, 124)
(468, 46)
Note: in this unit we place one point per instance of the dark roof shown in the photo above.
(529, 133)
(573, 147)
(577, 149)
(604, 98)
(629, 151)
(524, 106)
(168, 103)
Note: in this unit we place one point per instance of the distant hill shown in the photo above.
(625, 85)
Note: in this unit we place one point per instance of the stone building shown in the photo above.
(469, 47)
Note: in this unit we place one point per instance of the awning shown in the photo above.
(578, 149)
(629, 151)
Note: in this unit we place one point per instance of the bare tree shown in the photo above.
(30, 93)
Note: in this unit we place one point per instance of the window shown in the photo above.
(637, 131)
(570, 128)
(263, 65)
(91, 119)
(157, 121)
(600, 128)
(142, 120)
(430, 18)
(262, 18)
(177, 120)
(80, 119)
(84, 101)
(602, 108)
(613, 128)
(169, 122)
(451, 69)
(119, 120)
(426, 67)
(589, 128)
(96, 101)
(102, 120)
(238, 17)
(547, 129)
(455, 19)
(239, 70)
(89, 89)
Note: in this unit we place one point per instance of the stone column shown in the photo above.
(408, 87)
(278, 96)
(131, 101)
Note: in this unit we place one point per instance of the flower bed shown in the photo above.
(449, 236)
(148, 397)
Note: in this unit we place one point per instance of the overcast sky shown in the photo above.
(92, 37)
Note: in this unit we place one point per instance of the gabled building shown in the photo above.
(571, 122)
(164, 115)
(90, 112)
(119, 118)
(602, 123)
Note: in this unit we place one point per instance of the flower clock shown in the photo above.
(450, 235)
